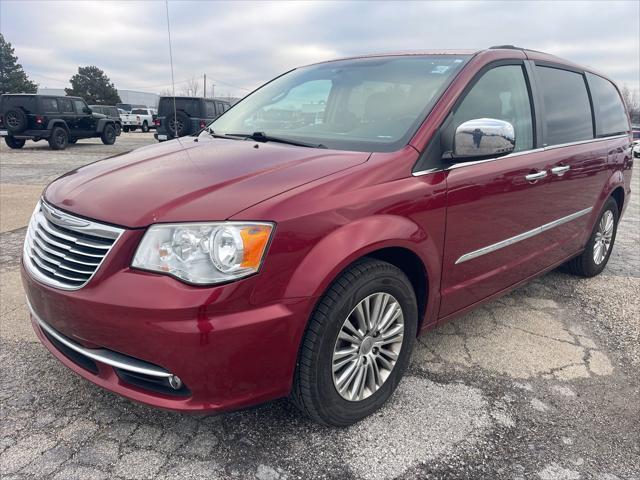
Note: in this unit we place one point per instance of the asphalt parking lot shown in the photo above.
(542, 383)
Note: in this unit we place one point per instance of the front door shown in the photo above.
(496, 207)
(85, 121)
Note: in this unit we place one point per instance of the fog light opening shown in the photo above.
(175, 382)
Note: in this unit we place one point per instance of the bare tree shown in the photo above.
(166, 93)
(192, 87)
(632, 100)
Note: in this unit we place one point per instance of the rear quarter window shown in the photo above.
(49, 105)
(611, 117)
(566, 104)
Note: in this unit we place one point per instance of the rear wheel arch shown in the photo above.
(57, 122)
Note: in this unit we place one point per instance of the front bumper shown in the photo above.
(227, 352)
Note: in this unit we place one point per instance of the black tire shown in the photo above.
(72, 140)
(15, 143)
(118, 129)
(145, 127)
(133, 129)
(59, 138)
(108, 136)
(585, 265)
(125, 129)
(15, 120)
(314, 391)
(180, 125)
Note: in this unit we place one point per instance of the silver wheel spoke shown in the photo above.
(368, 346)
(603, 237)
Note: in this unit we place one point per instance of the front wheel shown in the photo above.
(108, 136)
(118, 129)
(598, 250)
(357, 345)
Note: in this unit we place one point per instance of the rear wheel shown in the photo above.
(118, 129)
(14, 143)
(357, 345)
(598, 250)
(145, 127)
(108, 136)
(59, 139)
(125, 129)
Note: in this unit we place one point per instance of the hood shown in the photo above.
(188, 180)
(98, 115)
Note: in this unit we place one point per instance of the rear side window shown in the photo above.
(211, 110)
(611, 117)
(566, 104)
(65, 105)
(501, 94)
(49, 105)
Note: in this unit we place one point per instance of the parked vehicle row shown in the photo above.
(323, 223)
(59, 120)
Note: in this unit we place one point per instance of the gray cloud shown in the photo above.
(242, 44)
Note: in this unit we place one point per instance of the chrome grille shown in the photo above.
(65, 251)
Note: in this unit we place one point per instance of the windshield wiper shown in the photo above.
(217, 135)
(263, 137)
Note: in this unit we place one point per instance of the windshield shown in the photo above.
(371, 104)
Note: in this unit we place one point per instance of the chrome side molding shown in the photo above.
(523, 236)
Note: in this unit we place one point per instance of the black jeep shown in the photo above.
(110, 112)
(192, 114)
(60, 120)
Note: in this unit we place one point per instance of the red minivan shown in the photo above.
(299, 244)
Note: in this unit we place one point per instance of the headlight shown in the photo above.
(204, 253)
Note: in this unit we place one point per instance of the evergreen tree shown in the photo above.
(12, 76)
(94, 86)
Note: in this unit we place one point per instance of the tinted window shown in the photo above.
(112, 111)
(28, 102)
(211, 110)
(501, 94)
(80, 106)
(49, 105)
(190, 106)
(139, 111)
(566, 104)
(611, 117)
(65, 105)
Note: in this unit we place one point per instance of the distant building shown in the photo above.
(127, 96)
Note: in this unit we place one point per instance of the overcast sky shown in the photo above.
(241, 45)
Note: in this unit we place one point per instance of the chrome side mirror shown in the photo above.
(483, 137)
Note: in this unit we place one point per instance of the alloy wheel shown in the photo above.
(368, 346)
(12, 120)
(604, 235)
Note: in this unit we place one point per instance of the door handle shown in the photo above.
(560, 170)
(533, 177)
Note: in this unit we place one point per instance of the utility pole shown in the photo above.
(205, 86)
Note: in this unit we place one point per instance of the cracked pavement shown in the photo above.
(542, 383)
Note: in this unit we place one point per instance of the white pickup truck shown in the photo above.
(142, 118)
